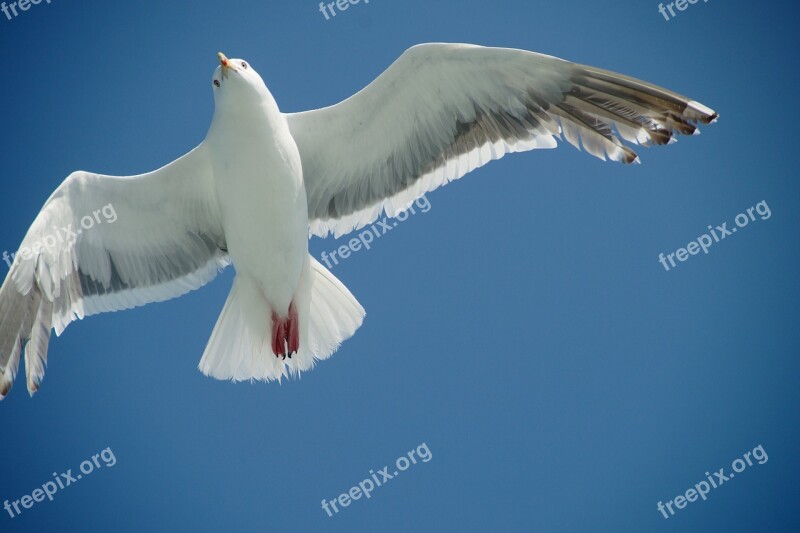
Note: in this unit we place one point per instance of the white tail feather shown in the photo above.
(240, 346)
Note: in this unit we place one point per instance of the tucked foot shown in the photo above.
(286, 334)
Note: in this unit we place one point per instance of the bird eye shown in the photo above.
(244, 65)
(216, 83)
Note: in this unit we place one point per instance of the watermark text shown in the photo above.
(375, 231)
(701, 489)
(59, 482)
(365, 488)
(705, 241)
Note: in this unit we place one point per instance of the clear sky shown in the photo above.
(521, 334)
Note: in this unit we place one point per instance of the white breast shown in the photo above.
(263, 204)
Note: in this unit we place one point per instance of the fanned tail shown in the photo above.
(240, 346)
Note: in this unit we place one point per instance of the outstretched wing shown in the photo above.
(105, 243)
(443, 110)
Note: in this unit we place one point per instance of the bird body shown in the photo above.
(262, 181)
(262, 199)
(263, 207)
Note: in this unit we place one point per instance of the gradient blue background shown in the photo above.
(522, 328)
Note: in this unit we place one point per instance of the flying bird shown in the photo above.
(263, 181)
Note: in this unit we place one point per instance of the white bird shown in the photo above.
(262, 180)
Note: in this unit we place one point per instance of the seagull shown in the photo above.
(263, 182)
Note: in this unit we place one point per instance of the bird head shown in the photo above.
(235, 78)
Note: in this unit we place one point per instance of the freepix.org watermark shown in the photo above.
(365, 488)
(60, 482)
(65, 237)
(705, 241)
(337, 6)
(10, 10)
(375, 231)
(680, 5)
(701, 490)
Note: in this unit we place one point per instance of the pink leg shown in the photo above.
(293, 331)
(278, 335)
(286, 331)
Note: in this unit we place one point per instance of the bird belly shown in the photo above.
(265, 216)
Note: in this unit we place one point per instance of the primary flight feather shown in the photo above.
(262, 180)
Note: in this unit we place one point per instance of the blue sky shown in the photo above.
(522, 329)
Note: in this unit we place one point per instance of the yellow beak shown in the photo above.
(223, 60)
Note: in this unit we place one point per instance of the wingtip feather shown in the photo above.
(708, 115)
(5, 386)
